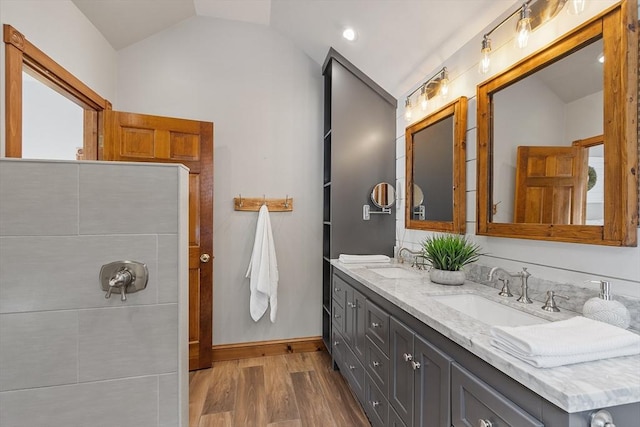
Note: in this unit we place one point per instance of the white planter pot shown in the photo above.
(444, 277)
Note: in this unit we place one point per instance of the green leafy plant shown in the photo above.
(450, 252)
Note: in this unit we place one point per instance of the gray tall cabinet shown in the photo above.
(359, 152)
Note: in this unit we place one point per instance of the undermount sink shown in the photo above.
(487, 311)
(394, 272)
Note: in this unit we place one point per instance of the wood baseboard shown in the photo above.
(265, 348)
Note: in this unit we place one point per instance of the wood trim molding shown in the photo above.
(265, 348)
(21, 55)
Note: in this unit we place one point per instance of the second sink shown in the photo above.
(487, 311)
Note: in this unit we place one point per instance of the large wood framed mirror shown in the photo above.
(435, 170)
(557, 139)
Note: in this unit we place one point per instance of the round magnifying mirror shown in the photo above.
(383, 195)
(418, 196)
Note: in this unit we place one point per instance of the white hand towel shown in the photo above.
(564, 342)
(363, 259)
(263, 270)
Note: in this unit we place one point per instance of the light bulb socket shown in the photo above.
(486, 44)
(525, 12)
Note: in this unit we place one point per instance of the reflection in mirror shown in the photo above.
(383, 195)
(435, 170)
(419, 211)
(539, 175)
(557, 139)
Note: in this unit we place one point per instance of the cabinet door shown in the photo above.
(359, 326)
(432, 391)
(401, 382)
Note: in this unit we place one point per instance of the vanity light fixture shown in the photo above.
(438, 84)
(349, 34)
(424, 99)
(444, 83)
(523, 28)
(485, 60)
(407, 109)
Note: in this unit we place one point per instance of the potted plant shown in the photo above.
(447, 254)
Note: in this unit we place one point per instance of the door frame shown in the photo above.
(21, 55)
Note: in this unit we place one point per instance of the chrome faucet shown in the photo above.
(524, 276)
(505, 292)
(415, 255)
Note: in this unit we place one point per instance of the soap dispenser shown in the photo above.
(605, 309)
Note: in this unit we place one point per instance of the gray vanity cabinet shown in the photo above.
(474, 403)
(419, 385)
(354, 322)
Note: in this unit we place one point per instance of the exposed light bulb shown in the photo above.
(407, 110)
(576, 7)
(485, 59)
(444, 83)
(523, 29)
(349, 34)
(424, 99)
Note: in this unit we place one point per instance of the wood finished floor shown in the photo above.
(292, 390)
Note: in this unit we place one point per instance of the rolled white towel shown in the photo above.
(363, 259)
(564, 342)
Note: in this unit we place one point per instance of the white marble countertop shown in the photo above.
(573, 388)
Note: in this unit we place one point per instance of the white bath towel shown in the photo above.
(263, 270)
(363, 259)
(565, 342)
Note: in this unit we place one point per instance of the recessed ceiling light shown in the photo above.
(349, 34)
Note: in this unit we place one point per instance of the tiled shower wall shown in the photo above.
(68, 355)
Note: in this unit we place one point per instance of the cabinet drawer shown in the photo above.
(337, 317)
(375, 403)
(377, 366)
(473, 400)
(354, 373)
(377, 326)
(339, 290)
(337, 346)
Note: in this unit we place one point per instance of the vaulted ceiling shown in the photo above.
(395, 38)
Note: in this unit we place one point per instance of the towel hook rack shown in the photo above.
(254, 204)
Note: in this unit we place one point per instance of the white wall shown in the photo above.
(58, 28)
(264, 97)
(559, 262)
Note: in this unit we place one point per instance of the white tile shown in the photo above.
(167, 268)
(472, 144)
(471, 175)
(127, 341)
(472, 113)
(401, 147)
(133, 199)
(471, 206)
(168, 400)
(38, 349)
(38, 198)
(54, 272)
(131, 402)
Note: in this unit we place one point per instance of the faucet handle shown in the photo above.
(550, 303)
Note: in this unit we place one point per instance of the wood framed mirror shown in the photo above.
(436, 170)
(544, 120)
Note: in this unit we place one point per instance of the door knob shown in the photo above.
(205, 258)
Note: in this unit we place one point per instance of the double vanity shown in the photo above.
(419, 354)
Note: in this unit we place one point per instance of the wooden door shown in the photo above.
(551, 185)
(141, 138)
